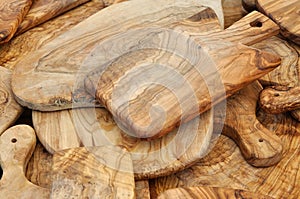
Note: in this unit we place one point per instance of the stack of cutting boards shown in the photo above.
(142, 90)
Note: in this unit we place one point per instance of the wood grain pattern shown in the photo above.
(50, 72)
(12, 14)
(249, 5)
(39, 167)
(224, 166)
(285, 14)
(111, 2)
(43, 10)
(259, 146)
(209, 192)
(280, 99)
(19, 47)
(151, 108)
(142, 189)
(96, 127)
(16, 147)
(96, 172)
(287, 74)
(233, 11)
(10, 110)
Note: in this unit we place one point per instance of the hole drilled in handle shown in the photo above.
(260, 140)
(14, 140)
(276, 94)
(256, 24)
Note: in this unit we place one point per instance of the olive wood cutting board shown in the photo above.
(233, 11)
(16, 147)
(285, 14)
(149, 93)
(259, 146)
(74, 128)
(249, 5)
(95, 172)
(52, 83)
(96, 127)
(43, 10)
(10, 110)
(32, 40)
(224, 166)
(209, 193)
(12, 13)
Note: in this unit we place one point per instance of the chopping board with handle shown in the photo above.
(259, 146)
(12, 13)
(16, 147)
(96, 127)
(95, 172)
(149, 93)
(56, 67)
(209, 193)
(43, 10)
(10, 110)
(285, 14)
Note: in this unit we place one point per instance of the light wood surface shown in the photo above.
(142, 189)
(285, 14)
(149, 107)
(10, 110)
(110, 2)
(224, 166)
(12, 13)
(95, 172)
(16, 147)
(209, 193)
(259, 146)
(50, 74)
(233, 11)
(43, 10)
(28, 42)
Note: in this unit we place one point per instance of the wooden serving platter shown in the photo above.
(285, 14)
(10, 110)
(224, 166)
(12, 13)
(95, 172)
(56, 82)
(259, 146)
(16, 147)
(209, 193)
(43, 10)
(149, 93)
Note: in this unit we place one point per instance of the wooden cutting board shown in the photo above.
(209, 193)
(16, 147)
(225, 167)
(95, 127)
(10, 110)
(43, 10)
(233, 11)
(12, 13)
(285, 14)
(154, 100)
(96, 172)
(30, 41)
(53, 85)
(249, 5)
(110, 2)
(259, 146)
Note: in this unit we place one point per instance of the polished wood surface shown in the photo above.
(285, 14)
(95, 172)
(12, 13)
(43, 10)
(63, 79)
(10, 110)
(16, 147)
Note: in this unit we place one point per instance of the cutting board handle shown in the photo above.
(16, 147)
(249, 30)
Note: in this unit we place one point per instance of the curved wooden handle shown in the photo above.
(280, 99)
(259, 146)
(16, 146)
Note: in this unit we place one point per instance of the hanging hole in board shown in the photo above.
(260, 140)
(276, 94)
(14, 140)
(256, 24)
